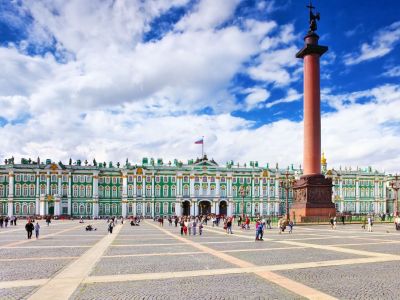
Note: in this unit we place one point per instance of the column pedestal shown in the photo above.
(312, 199)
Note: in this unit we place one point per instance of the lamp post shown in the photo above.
(287, 184)
(243, 193)
(395, 185)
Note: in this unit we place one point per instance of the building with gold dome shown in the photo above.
(154, 188)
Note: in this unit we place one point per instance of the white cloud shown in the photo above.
(392, 72)
(291, 96)
(255, 97)
(384, 41)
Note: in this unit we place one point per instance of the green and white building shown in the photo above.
(154, 188)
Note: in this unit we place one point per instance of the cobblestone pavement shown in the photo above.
(152, 262)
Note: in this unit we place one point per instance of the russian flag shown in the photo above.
(199, 142)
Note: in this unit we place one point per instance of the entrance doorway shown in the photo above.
(223, 208)
(51, 208)
(186, 208)
(204, 208)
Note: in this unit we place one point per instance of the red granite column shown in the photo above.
(313, 192)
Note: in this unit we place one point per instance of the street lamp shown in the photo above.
(395, 185)
(287, 184)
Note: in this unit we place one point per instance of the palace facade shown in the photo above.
(154, 188)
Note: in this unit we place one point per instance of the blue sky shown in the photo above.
(117, 79)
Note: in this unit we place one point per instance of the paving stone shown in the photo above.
(16, 293)
(234, 286)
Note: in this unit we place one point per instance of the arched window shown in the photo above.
(25, 178)
(17, 190)
(204, 178)
(75, 208)
(165, 191)
(148, 208)
(53, 178)
(101, 192)
(32, 208)
(173, 191)
(256, 191)
(130, 208)
(82, 191)
(65, 190)
(107, 207)
(139, 191)
(88, 191)
(114, 209)
(32, 190)
(2, 191)
(248, 208)
(75, 191)
(88, 208)
(17, 208)
(24, 209)
(25, 190)
(186, 190)
(212, 190)
(196, 190)
(223, 191)
(81, 209)
(42, 189)
(148, 191)
(54, 189)
(256, 210)
(101, 209)
(157, 208)
(114, 192)
(204, 189)
(130, 190)
(158, 191)
(139, 208)
(165, 208)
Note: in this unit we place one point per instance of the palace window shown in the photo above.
(130, 190)
(196, 179)
(81, 179)
(172, 208)
(17, 177)
(75, 178)
(256, 210)
(89, 191)
(107, 194)
(139, 191)
(42, 177)
(185, 179)
(107, 209)
(89, 179)
(265, 191)
(196, 190)
(256, 181)
(157, 179)
(114, 209)
(223, 179)
(75, 208)
(53, 178)
(173, 178)
(165, 191)
(204, 178)
(101, 192)
(2, 191)
(148, 208)
(17, 190)
(114, 192)
(234, 180)
(204, 189)
(82, 191)
(148, 191)
(241, 180)
(130, 178)
(148, 179)
(186, 190)
(64, 178)
(65, 190)
(130, 208)
(223, 191)
(53, 189)
(81, 209)
(25, 178)
(212, 179)
(158, 191)
(114, 180)
(139, 179)
(107, 180)
(248, 180)
(165, 208)
(165, 179)
(101, 180)
(42, 189)
(212, 190)
(157, 208)
(248, 208)
(17, 208)
(173, 191)
(101, 209)
(32, 208)
(88, 208)
(139, 208)
(235, 191)
(25, 190)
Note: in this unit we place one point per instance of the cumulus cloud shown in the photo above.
(255, 97)
(383, 42)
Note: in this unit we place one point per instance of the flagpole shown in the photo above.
(202, 148)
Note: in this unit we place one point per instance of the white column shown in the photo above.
(277, 207)
(179, 185)
(134, 211)
(217, 185)
(261, 188)
(10, 203)
(357, 197)
(124, 208)
(69, 193)
(124, 184)
(191, 181)
(48, 183)
(134, 185)
(37, 202)
(178, 209)
(59, 177)
(229, 185)
(268, 191)
(217, 208)
(57, 205)
(95, 208)
(230, 204)
(261, 208)
(42, 205)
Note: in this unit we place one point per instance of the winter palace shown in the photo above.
(155, 188)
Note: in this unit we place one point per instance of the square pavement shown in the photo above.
(153, 262)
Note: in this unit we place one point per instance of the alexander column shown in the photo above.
(312, 192)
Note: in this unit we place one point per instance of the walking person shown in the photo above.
(29, 228)
(370, 223)
(200, 228)
(229, 226)
(334, 222)
(48, 220)
(37, 229)
(110, 227)
(291, 224)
